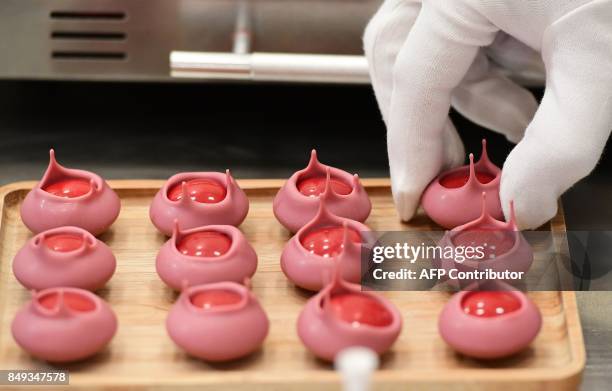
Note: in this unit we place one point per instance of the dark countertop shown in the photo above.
(156, 130)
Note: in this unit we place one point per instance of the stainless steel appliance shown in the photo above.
(288, 40)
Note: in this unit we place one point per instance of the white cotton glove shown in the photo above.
(423, 56)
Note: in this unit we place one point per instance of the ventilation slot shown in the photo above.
(99, 36)
(82, 55)
(88, 15)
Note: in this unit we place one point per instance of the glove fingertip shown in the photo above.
(532, 209)
(406, 204)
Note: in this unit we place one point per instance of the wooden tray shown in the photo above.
(142, 356)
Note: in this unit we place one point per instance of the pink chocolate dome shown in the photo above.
(217, 322)
(489, 324)
(198, 198)
(453, 198)
(203, 255)
(64, 257)
(342, 315)
(69, 197)
(316, 249)
(504, 248)
(297, 202)
(64, 324)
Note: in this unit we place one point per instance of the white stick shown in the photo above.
(356, 366)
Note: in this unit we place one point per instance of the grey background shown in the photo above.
(259, 131)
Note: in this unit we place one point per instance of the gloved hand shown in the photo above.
(423, 56)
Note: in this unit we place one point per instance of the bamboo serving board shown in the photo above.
(141, 356)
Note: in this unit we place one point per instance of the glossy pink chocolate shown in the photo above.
(297, 202)
(202, 190)
(342, 316)
(488, 325)
(489, 304)
(306, 269)
(504, 247)
(62, 198)
(453, 198)
(217, 322)
(227, 257)
(64, 324)
(65, 256)
(198, 205)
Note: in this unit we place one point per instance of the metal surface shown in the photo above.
(310, 41)
(242, 64)
(242, 30)
(304, 68)
(67, 39)
(133, 39)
